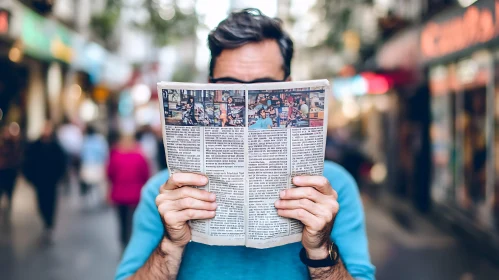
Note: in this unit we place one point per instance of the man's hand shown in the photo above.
(178, 203)
(314, 203)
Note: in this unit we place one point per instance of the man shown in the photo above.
(94, 156)
(44, 166)
(304, 107)
(249, 47)
(70, 137)
(263, 122)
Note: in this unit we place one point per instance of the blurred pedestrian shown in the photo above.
(149, 146)
(70, 137)
(94, 155)
(10, 159)
(44, 166)
(128, 171)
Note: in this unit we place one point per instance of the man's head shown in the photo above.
(250, 46)
(262, 113)
(303, 100)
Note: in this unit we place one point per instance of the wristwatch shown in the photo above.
(331, 260)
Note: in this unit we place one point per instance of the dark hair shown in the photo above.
(246, 26)
(260, 111)
(304, 99)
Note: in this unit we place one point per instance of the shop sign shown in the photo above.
(45, 39)
(4, 22)
(401, 51)
(478, 24)
(354, 86)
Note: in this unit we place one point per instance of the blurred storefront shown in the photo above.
(400, 56)
(66, 76)
(448, 119)
(460, 48)
(13, 77)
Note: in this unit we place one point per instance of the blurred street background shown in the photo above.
(414, 117)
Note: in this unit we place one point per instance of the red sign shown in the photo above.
(401, 51)
(4, 22)
(475, 26)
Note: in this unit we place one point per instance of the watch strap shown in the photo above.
(330, 260)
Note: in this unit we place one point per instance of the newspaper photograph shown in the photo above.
(250, 140)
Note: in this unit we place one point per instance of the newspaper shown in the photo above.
(249, 140)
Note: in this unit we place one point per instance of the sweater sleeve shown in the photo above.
(147, 229)
(349, 231)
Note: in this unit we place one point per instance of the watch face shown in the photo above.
(333, 252)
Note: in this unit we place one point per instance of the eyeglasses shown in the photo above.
(229, 80)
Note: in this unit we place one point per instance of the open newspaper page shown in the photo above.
(200, 137)
(249, 140)
(286, 137)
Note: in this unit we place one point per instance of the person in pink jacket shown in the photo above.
(128, 171)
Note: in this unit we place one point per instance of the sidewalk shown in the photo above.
(85, 244)
(420, 250)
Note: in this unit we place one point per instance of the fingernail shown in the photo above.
(283, 193)
(204, 180)
(276, 204)
(296, 179)
(215, 205)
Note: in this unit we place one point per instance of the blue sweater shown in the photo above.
(237, 262)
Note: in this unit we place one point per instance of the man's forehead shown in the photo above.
(250, 61)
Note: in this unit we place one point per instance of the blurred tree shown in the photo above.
(338, 17)
(103, 25)
(184, 73)
(166, 22)
(341, 22)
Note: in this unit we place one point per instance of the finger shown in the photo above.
(185, 192)
(302, 193)
(177, 180)
(303, 203)
(185, 203)
(192, 203)
(307, 218)
(320, 183)
(183, 216)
